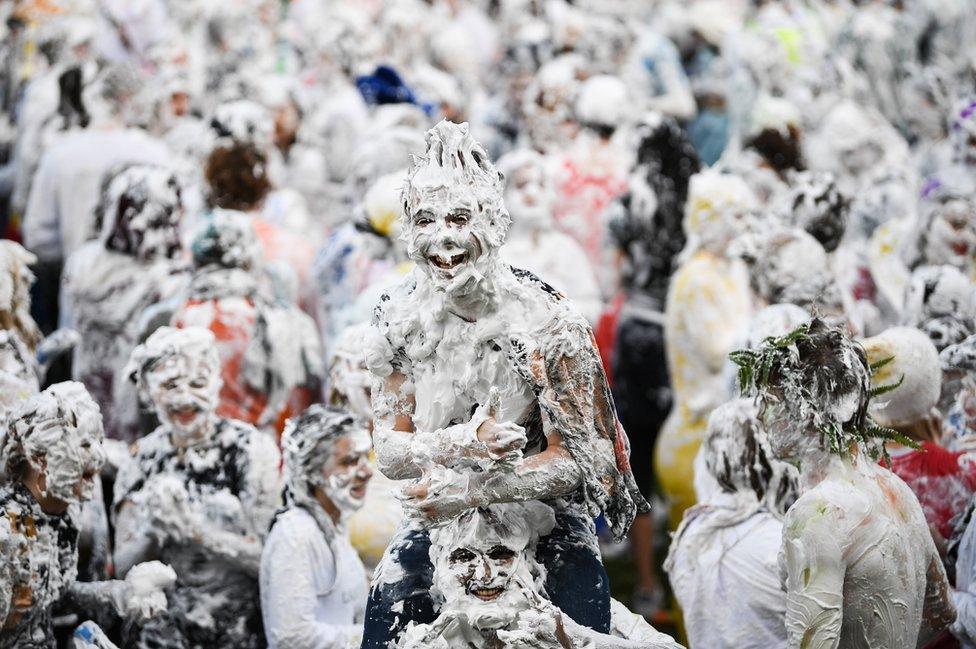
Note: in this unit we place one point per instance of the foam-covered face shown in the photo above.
(63, 441)
(483, 577)
(83, 454)
(184, 389)
(952, 234)
(444, 235)
(347, 472)
(528, 197)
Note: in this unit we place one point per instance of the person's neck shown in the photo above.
(329, 507)
(49, 504)
(817, 464)
(181, 440)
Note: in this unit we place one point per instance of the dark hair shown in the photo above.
(237, 176)
(781, 152)
(71, 107)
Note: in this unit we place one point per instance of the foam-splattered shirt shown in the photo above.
(38, 563)
(231, 480)
(943, 481)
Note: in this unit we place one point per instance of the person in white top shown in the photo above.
(723, 561)
(313, 584)
(60, 210)
(857, 559)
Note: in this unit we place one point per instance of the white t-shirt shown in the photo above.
(306, 602)
(65, 191)
(726, 578)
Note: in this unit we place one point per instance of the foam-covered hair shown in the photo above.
(126, 191)
(167, 342)
(39, 422)
(226, 239)
(820, 376)
(739, 457)
(906, 358)
(454, 158)
(16, 279)
(243, 122)
(306, 445)
(520, 524)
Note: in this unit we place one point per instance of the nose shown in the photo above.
(365, 471)
(483, 570)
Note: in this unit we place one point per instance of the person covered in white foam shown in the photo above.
(313, 584)
(198, 492)
(490, 583)
(723, 560)
(50, 455)
(858, 562)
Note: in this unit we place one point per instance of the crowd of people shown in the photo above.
(384, 323)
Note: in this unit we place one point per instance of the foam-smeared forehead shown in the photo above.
(168, 342)
(514, 525)
(456, 167)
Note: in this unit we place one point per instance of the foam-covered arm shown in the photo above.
(548, 474)
(243, 551)
(139, 596)
(814, 579)
(938, 611)
(132, 544)
(402, 452)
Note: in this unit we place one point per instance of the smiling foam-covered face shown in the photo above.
(59, 433)
(484, 561)
(326, 453)
(951, 236)
(454, 217)
(179, 370)
(347, 472)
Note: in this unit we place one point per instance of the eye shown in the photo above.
(462, 555)
(501, 553)
(459, 219)
(171, 384)
(199, 382)
(423, 219)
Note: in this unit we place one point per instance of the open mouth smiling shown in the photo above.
(184, 415)
(448, 263)
(487, 594)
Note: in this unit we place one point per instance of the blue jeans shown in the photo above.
(576, 580)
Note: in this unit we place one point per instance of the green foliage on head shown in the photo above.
(812, 371)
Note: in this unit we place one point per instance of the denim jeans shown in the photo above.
(576, 580)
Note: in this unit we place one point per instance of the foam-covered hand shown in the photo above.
(143, 590)
(504, 440)
(440, 496)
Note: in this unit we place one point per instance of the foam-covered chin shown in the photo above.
(339, 490)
